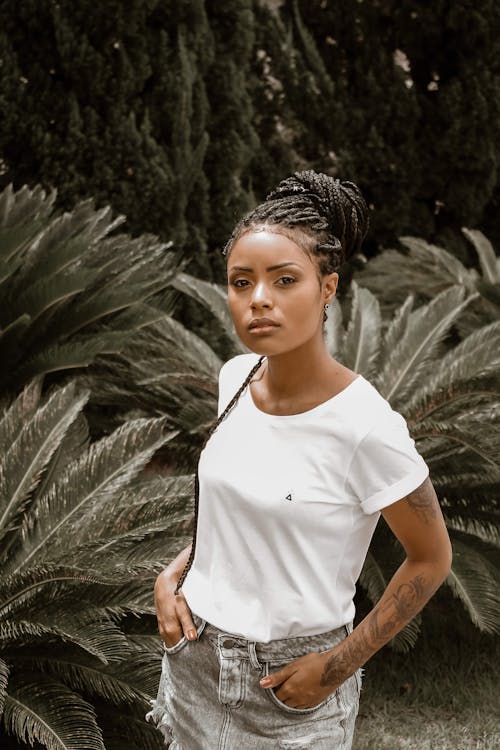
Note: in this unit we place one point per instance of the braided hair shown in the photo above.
(327, 218)
(224, 414)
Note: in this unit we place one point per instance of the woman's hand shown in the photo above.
(172, 610)
(299, 682)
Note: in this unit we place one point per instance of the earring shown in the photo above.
(325, 308)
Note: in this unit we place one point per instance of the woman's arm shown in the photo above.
(418, 523)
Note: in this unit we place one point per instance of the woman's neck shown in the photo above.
(296, 372)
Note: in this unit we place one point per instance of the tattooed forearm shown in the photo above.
(385, 620)
(423, 501)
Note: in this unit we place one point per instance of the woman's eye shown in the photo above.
(287, 280)
(236, 282)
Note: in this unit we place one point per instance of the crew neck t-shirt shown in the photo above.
(288, 505)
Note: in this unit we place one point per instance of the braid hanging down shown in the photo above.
(223, 415)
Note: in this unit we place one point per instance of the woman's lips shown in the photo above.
(262, 325)
(263, 329)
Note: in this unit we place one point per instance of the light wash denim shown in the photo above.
(209, 697)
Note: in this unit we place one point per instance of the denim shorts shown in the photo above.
(209, 697)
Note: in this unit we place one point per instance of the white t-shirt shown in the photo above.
(288, 506)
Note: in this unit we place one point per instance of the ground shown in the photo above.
(443, 695)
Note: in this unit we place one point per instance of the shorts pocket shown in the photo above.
(271, 666)
(200, 625)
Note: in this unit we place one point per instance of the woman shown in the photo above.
(256, 615)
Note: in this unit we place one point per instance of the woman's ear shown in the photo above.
(330, 282)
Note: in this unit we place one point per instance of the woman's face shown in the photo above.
(269, 276)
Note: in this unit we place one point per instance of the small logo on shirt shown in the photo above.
(289, 497)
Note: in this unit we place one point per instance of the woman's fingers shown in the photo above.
(184, 615)
(173, 613)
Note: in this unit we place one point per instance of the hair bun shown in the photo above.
(340, 205)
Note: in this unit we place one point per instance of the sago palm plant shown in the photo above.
(70, 287)
(83, 533)
(168, 369)
(448, 393)
(425, 270)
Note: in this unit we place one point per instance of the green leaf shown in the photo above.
(476, 356)
(38, 709)
(427, 327)
(362, 339)
(25, 459)
(93, 479)
(4, 680)
(488, 260)
(214, 298)
(475, 580)
(17, 413)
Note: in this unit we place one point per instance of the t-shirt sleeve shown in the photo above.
(386, 465)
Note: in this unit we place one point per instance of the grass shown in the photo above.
(442, 695)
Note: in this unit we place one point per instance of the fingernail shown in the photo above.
(265, 681)
(191, 635)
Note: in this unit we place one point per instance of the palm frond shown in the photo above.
(38, 709)
(214, 298)
(46, 292)
(74, 443)
(490, 264)
(184, 351)
(438, 262)
(17, 413)
(410, 358)
(22, 464)
(424, 270)
(156, 499)
(23, 588)
(4, 680)
(362, 338)
(397, 327)
(129, 681)
(22, 214)
(474, 579)
(92, 631)
(93, 479)
(486, 448)
(72, 355)
(457, 371)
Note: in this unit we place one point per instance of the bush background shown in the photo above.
(182, 115)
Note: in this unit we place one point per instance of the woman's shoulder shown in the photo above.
(372, 411)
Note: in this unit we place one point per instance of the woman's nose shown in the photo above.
(261, 295)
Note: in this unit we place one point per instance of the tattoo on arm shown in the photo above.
(423, 502)
(378, 628)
